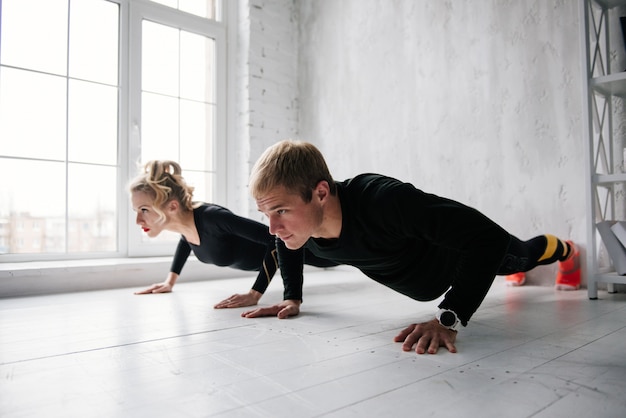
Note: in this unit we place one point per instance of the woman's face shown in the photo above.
(147, 218)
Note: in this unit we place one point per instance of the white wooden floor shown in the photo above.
(528, 352)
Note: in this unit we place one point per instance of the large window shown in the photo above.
(89, 91)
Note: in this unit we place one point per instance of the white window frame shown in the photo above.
(144, 10)
(131, 13)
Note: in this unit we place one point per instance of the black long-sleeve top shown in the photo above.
(229, 240)
(418, 244)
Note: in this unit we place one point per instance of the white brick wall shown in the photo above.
(268, 108)
(272, 88)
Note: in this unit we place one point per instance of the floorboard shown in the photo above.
(528, 352)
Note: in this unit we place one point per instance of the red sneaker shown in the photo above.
(568, 276)
(516, 279)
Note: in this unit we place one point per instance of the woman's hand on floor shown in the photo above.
(240, 300)
(164, 287)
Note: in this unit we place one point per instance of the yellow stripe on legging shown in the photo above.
(551, 247)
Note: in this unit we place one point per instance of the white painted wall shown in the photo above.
(475, 100)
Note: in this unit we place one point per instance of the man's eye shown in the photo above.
(281, 211)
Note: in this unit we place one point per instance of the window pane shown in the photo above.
(34, 34)
(196, 135)
(91, 207)
(202, 8)
(178, 95)
(160, 59)
(205, 8)
(202, 183)
(159, 119)
(92, 120)
(94, 40)
(32, 114)
(34, 206)
(197, 58)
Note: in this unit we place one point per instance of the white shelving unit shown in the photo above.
(605, 179)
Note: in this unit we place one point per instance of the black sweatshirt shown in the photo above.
(229, 240)
(416, 243)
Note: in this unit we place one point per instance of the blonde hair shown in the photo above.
(163, 181)
(296, 165)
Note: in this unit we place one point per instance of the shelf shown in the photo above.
(601, 179)
(599, 130)
(609, 4)
(613, 84)
(610, 278)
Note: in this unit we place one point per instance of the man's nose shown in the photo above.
(274, 226)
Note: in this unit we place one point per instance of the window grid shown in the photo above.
(83, 236)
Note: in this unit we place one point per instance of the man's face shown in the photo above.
(291, 219)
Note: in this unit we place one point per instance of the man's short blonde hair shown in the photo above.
(296, 165)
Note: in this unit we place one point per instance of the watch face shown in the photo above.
(447, 319)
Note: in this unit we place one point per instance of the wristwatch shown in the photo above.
(448, 319)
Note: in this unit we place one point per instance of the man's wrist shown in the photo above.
(297, 302)
(448, 319)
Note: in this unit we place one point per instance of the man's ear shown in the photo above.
(322, 190)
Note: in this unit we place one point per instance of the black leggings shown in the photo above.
(522, 256)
